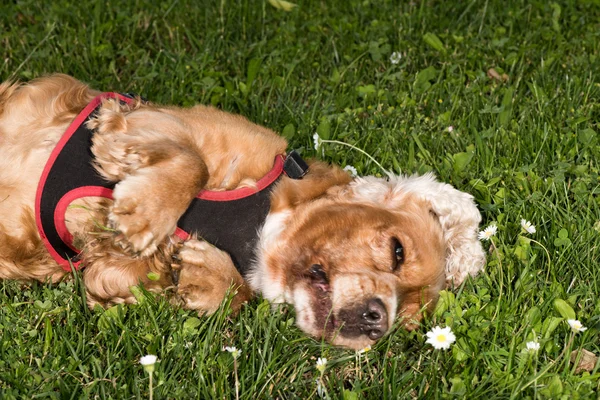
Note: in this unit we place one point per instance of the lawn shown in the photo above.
(500, 99)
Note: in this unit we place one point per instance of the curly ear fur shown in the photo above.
(455, 210)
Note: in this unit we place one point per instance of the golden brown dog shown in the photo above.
(349, 254)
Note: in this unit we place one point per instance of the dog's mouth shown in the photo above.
(321, 299)
(366, 320)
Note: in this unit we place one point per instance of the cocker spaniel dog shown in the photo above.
(191, 202)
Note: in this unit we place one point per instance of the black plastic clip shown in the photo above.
(294, 166)
(134, 96)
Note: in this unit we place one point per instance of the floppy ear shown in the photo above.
(456, 211)
(459, 218)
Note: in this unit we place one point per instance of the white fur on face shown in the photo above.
(274, 225)
(301, 301)
(262, 278)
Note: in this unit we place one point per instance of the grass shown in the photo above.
(526, 148)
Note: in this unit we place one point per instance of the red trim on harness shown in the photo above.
(181, 233)
(63, 204)
(237, 194)
(240, 193)
(59, 146)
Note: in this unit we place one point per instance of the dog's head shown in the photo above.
(352, 256)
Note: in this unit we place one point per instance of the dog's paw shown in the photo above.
(141, 217)
(115, 161)
(118, 149)
(205, 275)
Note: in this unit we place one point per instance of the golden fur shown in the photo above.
(329, 245)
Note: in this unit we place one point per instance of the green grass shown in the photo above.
(526, 148)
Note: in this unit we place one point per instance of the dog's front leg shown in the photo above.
(205, 275)
(157, 170)
(149, 202)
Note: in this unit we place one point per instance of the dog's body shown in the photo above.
(350, 255)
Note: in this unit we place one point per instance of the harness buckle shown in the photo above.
(294, 166)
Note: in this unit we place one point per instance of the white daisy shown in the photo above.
(395, 57)
(317, 141)
(532, 346)
(528, 226)
(440, 338)
(575, 325)
(234, 351)
(488, 232)
(364, 350)
(148, 363)
(321, 364)
(351, 170)
(148, 360)
(450, 128)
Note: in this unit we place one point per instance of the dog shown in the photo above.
(352, 255)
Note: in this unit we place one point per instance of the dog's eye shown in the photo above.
(317, 274)
(398, 253)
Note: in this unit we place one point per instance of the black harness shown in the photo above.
(230, 220)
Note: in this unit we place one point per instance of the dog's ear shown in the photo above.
(459, 218)
(456, 211)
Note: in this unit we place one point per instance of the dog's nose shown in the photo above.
(374, 312)
(374, 319)
(369, 318)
